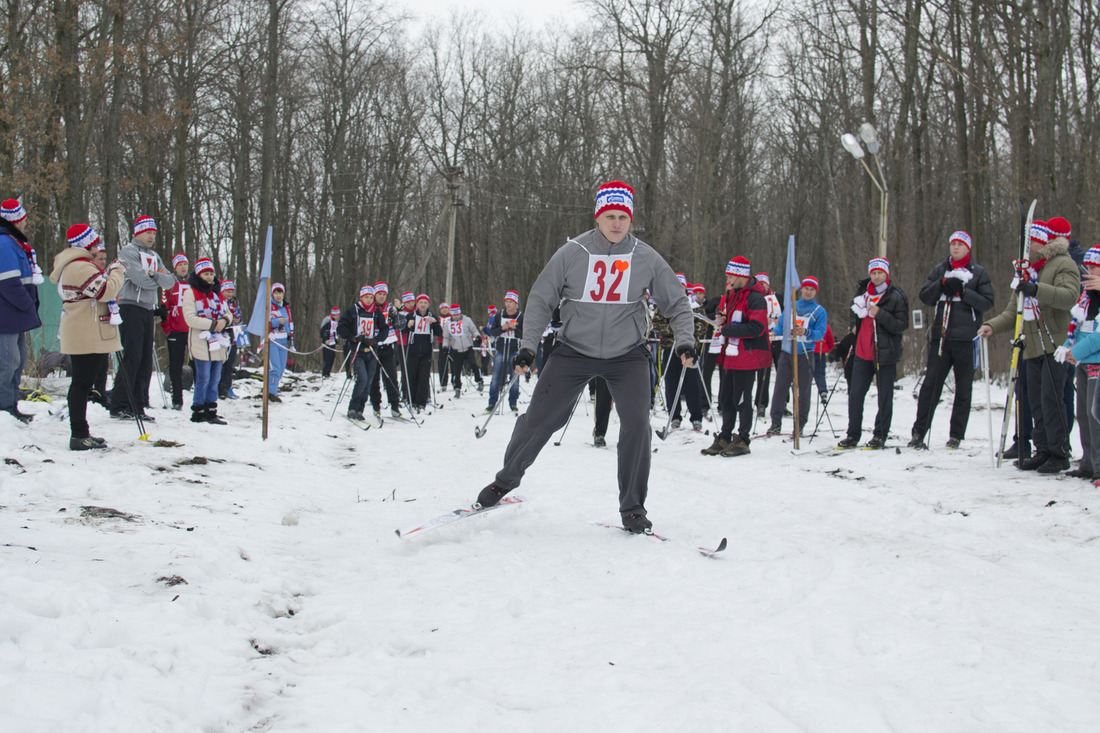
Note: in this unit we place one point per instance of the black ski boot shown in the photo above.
(212, 414)
(716, 447)
(490, 496)
(637, 524)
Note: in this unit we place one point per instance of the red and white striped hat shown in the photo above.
(423, 296)
(456, 309)
(278, 286)
(82, 235)
(739, 267)
(699, 288)
(408, 298)
(512, 295)
(1059, 227)
(878, 263)
(381, 287)
(763, 277)
(144, 224)
(13, 211)
(177, 258)
(365, 291)
(810, 282)
(615, 195)
(1040, 232)
(962, 238)
(203, 264)
(229, 285)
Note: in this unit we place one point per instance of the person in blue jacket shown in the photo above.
(1082, 349)
(811, 321)
(18, 304)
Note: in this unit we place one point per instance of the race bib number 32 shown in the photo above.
(608, 279)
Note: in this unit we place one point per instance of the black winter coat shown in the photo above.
(348, 327)
(891, 321)
(965, 317)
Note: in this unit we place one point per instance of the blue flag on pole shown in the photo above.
(262, 306)
(791, 280)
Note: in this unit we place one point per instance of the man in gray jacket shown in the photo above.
(600, 280)
(145, 275)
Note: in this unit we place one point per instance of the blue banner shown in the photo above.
(262, 306)
(790, 280)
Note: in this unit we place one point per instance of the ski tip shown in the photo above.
(397, 532)
(721, 545)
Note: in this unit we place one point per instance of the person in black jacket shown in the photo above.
(328, 342)
(420, 325)
(960, 291)
(880, 314)
(362, 326)
(506, 328)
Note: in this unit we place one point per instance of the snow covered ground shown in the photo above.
(263, 588)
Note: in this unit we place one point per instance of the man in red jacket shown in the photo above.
(742, 319)
(175, 328)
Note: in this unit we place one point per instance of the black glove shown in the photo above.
(1027, 288)
(685, 350)
(161, 312)
(524, 359)
(951, 286)
(477, 341)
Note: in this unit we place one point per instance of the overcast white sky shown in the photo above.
(537, 13)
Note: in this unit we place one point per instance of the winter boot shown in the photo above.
(86, 443)
(848, 442)
(198, 413)
(598, 441)
(876, 443)
(775, 428)
(1033, 463)
(736, 447)
(212, 414)
(637, 524)
(716, 447)
(1054, 464)
(917, 442)
(953, 443)
(490, 496)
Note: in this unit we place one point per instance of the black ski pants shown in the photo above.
(385, 376)
(86, 368)
(1046, 383)
(863, 373)
(564, 375)
(177, 357)
(603, 406)
(132, 379)
(957, 355)
(735, 402)
(784, 379)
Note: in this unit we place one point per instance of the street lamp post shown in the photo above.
(870, 138)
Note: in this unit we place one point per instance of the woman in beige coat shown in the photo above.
(207, 317)
(89, 323)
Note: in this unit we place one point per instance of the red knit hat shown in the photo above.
(1040, 232)
(82, 235)
(615, 195)
(456, 309)
(13, 211)
(1059, 227)
(810, 282)
(177, 258)
(202, 265)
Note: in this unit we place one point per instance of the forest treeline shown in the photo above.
(355, 138)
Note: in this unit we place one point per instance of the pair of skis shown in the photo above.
(458, 515)
(1018, 333)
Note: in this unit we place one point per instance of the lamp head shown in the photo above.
(870, 137)
(852, 145)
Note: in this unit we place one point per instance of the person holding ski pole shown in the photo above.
(961, 292)
(362, 325)
(599, 278)
(1050, 284)
(507, 328)
(419, 327)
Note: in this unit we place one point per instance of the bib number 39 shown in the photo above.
(608, 279)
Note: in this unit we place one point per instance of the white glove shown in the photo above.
(1060, 354)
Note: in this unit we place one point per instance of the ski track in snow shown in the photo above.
(265, 590)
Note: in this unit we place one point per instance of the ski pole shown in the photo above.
(160, 378)
(988, 401)
(825, 407)
(347, 378)
(662, 434)
(943, 326)
(130, 395)
(560, 437)
(480, 431)
(393, 384)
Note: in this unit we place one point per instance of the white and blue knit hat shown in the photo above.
(615, 195)
(1092, 257)
(961, 237)
(878, 263)
(739, 267)
(366, 290)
